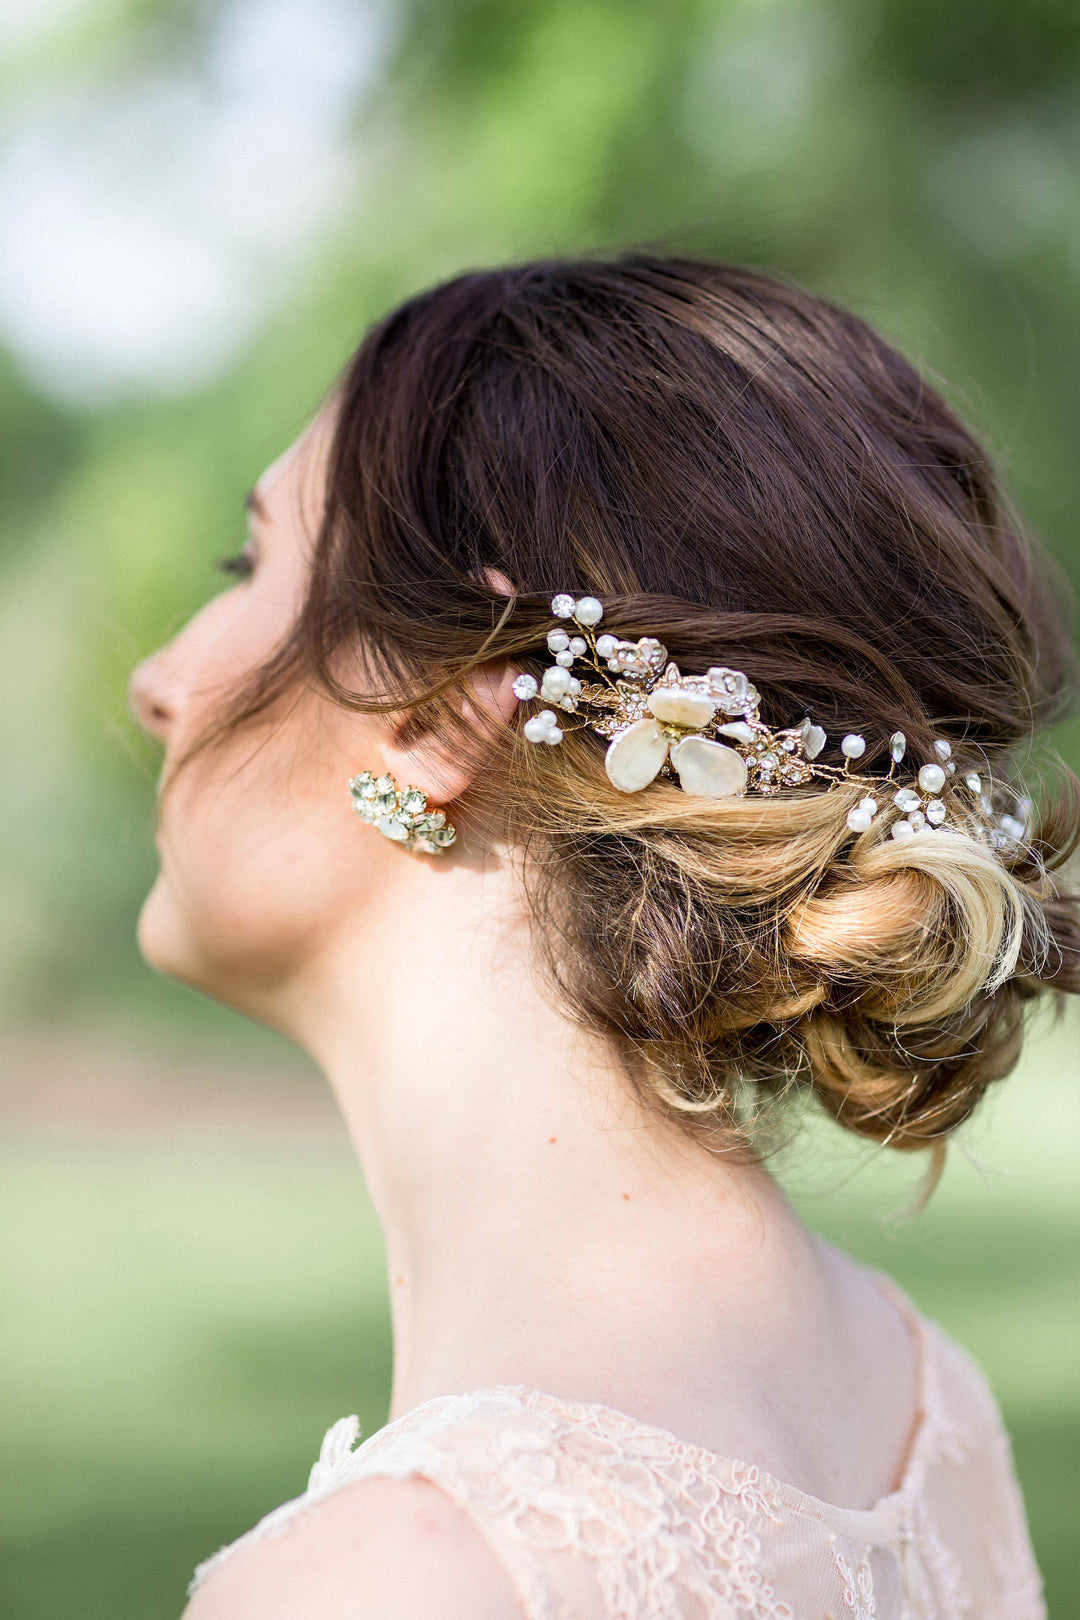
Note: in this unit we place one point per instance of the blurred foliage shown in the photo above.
(916, 161)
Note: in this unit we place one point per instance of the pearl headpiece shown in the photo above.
(706, 731)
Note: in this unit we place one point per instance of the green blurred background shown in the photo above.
(202, 205)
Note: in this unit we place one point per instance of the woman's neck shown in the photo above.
(542, 1227)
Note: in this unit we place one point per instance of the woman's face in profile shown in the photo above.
(260, 852)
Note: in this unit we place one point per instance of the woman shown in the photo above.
(671, 640)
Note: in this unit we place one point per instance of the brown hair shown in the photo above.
(756, 478)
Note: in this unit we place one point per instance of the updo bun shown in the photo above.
(757, 479)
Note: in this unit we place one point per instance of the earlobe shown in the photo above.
(488, 703)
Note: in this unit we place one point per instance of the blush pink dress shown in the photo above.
(596, 1516)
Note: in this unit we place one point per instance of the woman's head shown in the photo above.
(759, 480)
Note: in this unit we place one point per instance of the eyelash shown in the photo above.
(242, 564)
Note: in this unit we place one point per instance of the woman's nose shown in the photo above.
(149, 698)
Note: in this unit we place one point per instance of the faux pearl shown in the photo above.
(552, 736)
(588, 610)
(562, 606)
(902, 829)
(869, 804)
(535, 729)
(859, 820)
(564, 659)
(853, 746)
(558, 641)
(606, 645)
(557, 682)
(931, 778)
(916, 819)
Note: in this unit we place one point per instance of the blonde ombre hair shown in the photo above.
(756, 478)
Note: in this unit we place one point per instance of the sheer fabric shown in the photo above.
(594, 1515)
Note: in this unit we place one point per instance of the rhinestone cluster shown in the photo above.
(706, 732)
(400, 814)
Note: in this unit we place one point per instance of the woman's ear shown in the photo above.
(426, 762)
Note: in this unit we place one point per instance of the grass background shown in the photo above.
(196, 1292)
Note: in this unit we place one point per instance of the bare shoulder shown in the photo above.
(380, 1549)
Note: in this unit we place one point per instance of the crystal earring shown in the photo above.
(401, 813)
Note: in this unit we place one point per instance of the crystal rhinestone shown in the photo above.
(413, 800)
(897, 746)
(931, 778)
(557, 641)
(859, 820)
(935, 812)
(973, 782)
(853, 746)
(605, 645)
(588, 610)
(393, 827)
(788, 745)
(906, 799)
(562, 606)
(564, 659)
(951, 767)
(525, 687)
(443, 836)
(578, 646)
(942, 748)
(1012, 827)
(902, 829)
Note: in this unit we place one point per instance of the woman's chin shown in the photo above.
(164, 941)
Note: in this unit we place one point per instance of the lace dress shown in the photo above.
(596, 1516)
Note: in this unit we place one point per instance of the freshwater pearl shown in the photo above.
(588, 610)
(739, 729)
(931, 778)
(679, 708)
(814, 740)
(709, 769)
(635, 756)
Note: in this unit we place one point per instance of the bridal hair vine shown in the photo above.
(706, 731)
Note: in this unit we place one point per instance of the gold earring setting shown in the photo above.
(401, 814)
